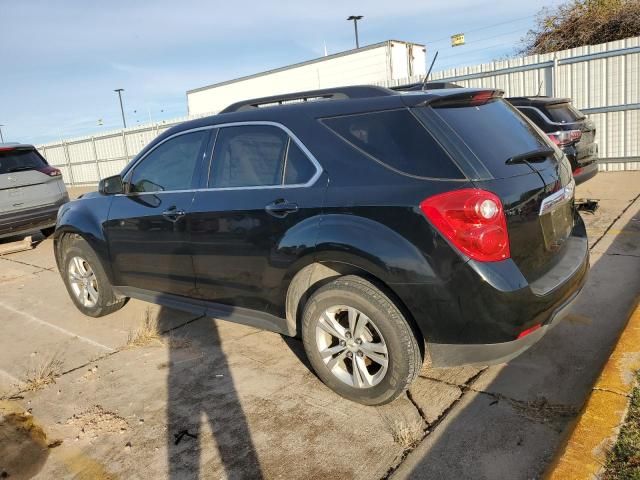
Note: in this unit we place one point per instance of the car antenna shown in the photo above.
(426, 77)
(539, 88)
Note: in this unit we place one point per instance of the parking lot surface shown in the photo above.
(149, 392)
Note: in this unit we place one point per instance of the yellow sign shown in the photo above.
(457, 39)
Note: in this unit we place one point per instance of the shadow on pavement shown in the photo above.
(201, 392)
(514, 417)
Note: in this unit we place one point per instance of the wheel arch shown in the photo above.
(317, 274)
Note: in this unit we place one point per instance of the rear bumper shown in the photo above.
(476, 313)
(584, 173)
(23, 221)
(451, 355)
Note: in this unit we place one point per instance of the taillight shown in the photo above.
(473, 220)
(565, 137)
(51, 171)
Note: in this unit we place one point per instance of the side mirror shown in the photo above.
(111, 185)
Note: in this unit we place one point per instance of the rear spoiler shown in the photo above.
(456, 97)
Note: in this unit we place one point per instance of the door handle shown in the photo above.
(173, 214)
(281, 208)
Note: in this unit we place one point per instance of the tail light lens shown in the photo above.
(565, 137)
(473, 220)
(51, 171)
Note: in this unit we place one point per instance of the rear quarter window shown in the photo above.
(396, 139)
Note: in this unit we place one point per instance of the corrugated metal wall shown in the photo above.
(603, 81)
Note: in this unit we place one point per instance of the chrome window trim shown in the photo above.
(314, 178)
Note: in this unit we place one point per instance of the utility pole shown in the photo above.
(119, 92)
(1, 137)
(355, 19)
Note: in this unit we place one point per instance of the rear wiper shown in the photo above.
(20, 169)
(532, 156)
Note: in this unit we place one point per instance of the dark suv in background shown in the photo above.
(369, 222)
(567, 127)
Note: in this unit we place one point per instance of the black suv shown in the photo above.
(568, 128)
(379, 226)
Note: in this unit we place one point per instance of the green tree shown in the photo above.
(582, 22)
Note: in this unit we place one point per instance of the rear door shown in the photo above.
(27, 181)
(256, 216)
(147, 229)
(526, 169)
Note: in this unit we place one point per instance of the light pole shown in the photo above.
(1, 137)
(355, 19)
(119, 92)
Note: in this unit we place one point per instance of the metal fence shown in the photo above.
(603, 81)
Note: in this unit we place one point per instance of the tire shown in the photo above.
(384, 328)
(95, 297)
(47, 232)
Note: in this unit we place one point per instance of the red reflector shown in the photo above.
(577, 171)
(473, 220)
(529, 330)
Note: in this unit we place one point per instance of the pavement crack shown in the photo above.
(614, 221)
(467, 386)
(615, 392)
(50, 269)
(623, 255)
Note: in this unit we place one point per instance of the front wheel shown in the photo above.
(86, 280)
(358, 341)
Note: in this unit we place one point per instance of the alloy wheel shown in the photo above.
(352, 347)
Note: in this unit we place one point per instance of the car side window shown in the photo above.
(298, 167)
(248, 156)
(171, 166)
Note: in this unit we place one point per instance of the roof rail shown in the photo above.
(338, 93)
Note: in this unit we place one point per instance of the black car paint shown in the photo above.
(357, 215)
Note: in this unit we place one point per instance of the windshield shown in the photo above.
(20, 160)
(563, 113)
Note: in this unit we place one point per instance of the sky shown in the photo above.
(61, 60)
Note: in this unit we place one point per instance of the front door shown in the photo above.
(257, 215)
(147, 230)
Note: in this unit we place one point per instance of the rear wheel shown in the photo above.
(86, 280)
(358, 341)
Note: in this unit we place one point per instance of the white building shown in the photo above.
(380, 62)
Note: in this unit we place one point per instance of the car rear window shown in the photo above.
(17, 160)
(494, 131)
(396, 139)
(563, 113)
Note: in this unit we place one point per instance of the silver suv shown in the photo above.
(31, 191)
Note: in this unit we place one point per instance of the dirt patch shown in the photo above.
(23, 444)
(96, 421)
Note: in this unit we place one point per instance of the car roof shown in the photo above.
(326, 102)
(537, 100)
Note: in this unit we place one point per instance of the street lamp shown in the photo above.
(355, 19)
(119, 92)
